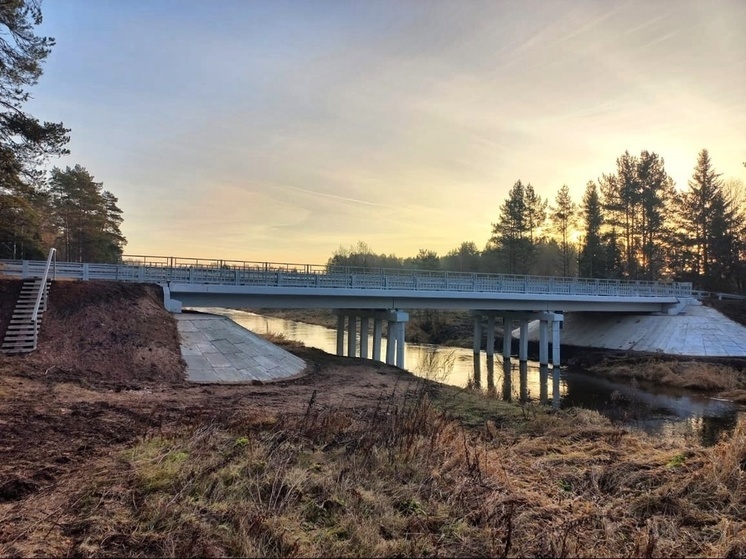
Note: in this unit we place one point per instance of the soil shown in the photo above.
(109, 371)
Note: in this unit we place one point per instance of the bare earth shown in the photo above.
(109, 371)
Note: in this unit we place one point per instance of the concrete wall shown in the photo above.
(698, 331)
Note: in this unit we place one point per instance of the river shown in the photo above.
(662, 411)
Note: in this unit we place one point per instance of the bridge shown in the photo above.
(372, 296)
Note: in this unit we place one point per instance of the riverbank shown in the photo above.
(108, 451)
(718, 376)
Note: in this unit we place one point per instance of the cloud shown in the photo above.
(293, 128)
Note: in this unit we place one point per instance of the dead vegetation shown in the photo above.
(693, 375)
(405, 479)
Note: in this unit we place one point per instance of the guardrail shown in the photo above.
(269, 274)
(41, 296)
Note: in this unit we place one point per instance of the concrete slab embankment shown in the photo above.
(217, 350)
(699, 331)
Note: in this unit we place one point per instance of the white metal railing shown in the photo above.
(156, 269)
(40, 296)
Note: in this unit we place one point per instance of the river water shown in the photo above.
(661, 411)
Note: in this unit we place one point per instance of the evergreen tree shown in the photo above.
(87, 217)
(636, 201)
(592, 254)
(563, 215)
(536, 213)
(698, 208)
(24, 141)
(511, 234)
(621, 195)
(656, 197)
(465, 258)
(425, 260)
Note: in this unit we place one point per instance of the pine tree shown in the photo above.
(536, 213)
(656, 194)
(87, 217)
(511, 234)
(563, 215)
(698, 208)
(24, 141)
(592, 257)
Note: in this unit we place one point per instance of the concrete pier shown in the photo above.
(396, 321)
(549, 328)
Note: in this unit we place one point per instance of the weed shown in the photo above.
(677, 461)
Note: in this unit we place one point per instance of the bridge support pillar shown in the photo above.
(555, 343)
(340, 334)
(395, 337)
(352, 336)
(523, 342)
(400, 344)
(390, 343)
(490, 347)
(395, 340)
(477, 333)
(543, 342)
(364, 337)
(507, 337)
(377, 335)
(547, 321)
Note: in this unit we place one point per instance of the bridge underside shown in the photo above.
(360, 310)
(192, 295)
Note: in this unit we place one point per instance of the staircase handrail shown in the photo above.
(40, 296)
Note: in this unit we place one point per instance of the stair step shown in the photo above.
(21, 349)
(19, 341)
(19, 334)
(22, 331)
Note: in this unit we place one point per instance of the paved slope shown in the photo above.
(699, 331)
(217, 350)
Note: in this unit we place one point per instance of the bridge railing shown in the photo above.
(154, 269)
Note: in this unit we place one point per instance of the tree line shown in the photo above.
(41, 208)
(630, 224)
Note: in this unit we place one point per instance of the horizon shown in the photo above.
(283, 131)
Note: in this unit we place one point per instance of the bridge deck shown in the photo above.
(230, 283)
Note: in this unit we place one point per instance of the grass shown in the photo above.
(407, 478)
(694, 375)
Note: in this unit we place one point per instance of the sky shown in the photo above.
(282, 130)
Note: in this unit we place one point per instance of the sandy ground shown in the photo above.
(109, 370)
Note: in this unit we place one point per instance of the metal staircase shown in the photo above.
(23, 331)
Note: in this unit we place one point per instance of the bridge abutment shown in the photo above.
(396, 321)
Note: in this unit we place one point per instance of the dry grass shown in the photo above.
(694, 375)
(280, 339)
(405, 479)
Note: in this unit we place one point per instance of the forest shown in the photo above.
(42, 207)
(632, 223)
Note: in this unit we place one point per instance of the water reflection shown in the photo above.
(665, 412)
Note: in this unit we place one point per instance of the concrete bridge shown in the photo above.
(370, 297)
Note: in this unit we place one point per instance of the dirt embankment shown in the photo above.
(108, 371)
